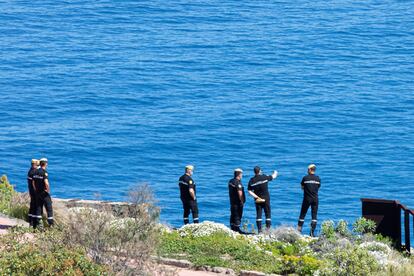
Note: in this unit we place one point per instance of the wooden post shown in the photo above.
(407, 230)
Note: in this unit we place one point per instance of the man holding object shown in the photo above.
(258, 189)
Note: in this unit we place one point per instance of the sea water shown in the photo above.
(120, 93)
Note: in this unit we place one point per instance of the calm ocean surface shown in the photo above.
(117, 93)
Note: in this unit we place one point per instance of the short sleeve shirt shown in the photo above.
(30, 175)
(186, 183)
(39, 177)
(235, 186)
(311, 184)
(259, 185)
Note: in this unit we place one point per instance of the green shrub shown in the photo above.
(396, 268)
(19, 211)
(6, 193)
(328, 229)
(364, 226)
(350, 261)
(279, 248)
(12, 203)
(305, 265)
(342, 228)
(45, 254)
(382, 239)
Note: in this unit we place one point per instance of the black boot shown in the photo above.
(313, 227)
(300, 225)
(259, 226)
(268, 224)
(241, 231)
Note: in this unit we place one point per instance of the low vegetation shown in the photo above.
(12, 203)
(43, 253)
(85, 241)
(96, 242)
(338, 251)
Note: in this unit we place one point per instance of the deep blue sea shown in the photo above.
(117, 93)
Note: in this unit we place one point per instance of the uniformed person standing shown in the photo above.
(188, 195)
(310, 186)
(42, 192)
(258, 189)
(30, 174)
(237, 200)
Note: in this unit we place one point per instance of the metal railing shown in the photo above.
(407, 213)
(387, 216)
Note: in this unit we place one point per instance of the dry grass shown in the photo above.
(125, 243)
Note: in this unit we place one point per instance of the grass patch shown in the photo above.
(219, 249)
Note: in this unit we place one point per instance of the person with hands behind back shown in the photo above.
(188, 195)
(237, 200)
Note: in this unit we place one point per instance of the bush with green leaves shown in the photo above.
(43, 253)
(351, 260)
(328, 229)
(12, 203)
(364, 226)
(261, 253)
(301, 265)
(342, 228)
(6, 194)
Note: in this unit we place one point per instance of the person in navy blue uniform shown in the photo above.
(237, 200)
(42, 191)
(32, 171)
(258, 189)
(188, 195)
(310, 185)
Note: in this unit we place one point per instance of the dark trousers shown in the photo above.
(236, 214)
(43, 200)
(190, 206)
(266, 207)
(32, 207)
(313, 203)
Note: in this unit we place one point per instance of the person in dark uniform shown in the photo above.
(42, 192)
(188, 195)
(310, 186)
(30, 174)
(258, 189)
(237, 200)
